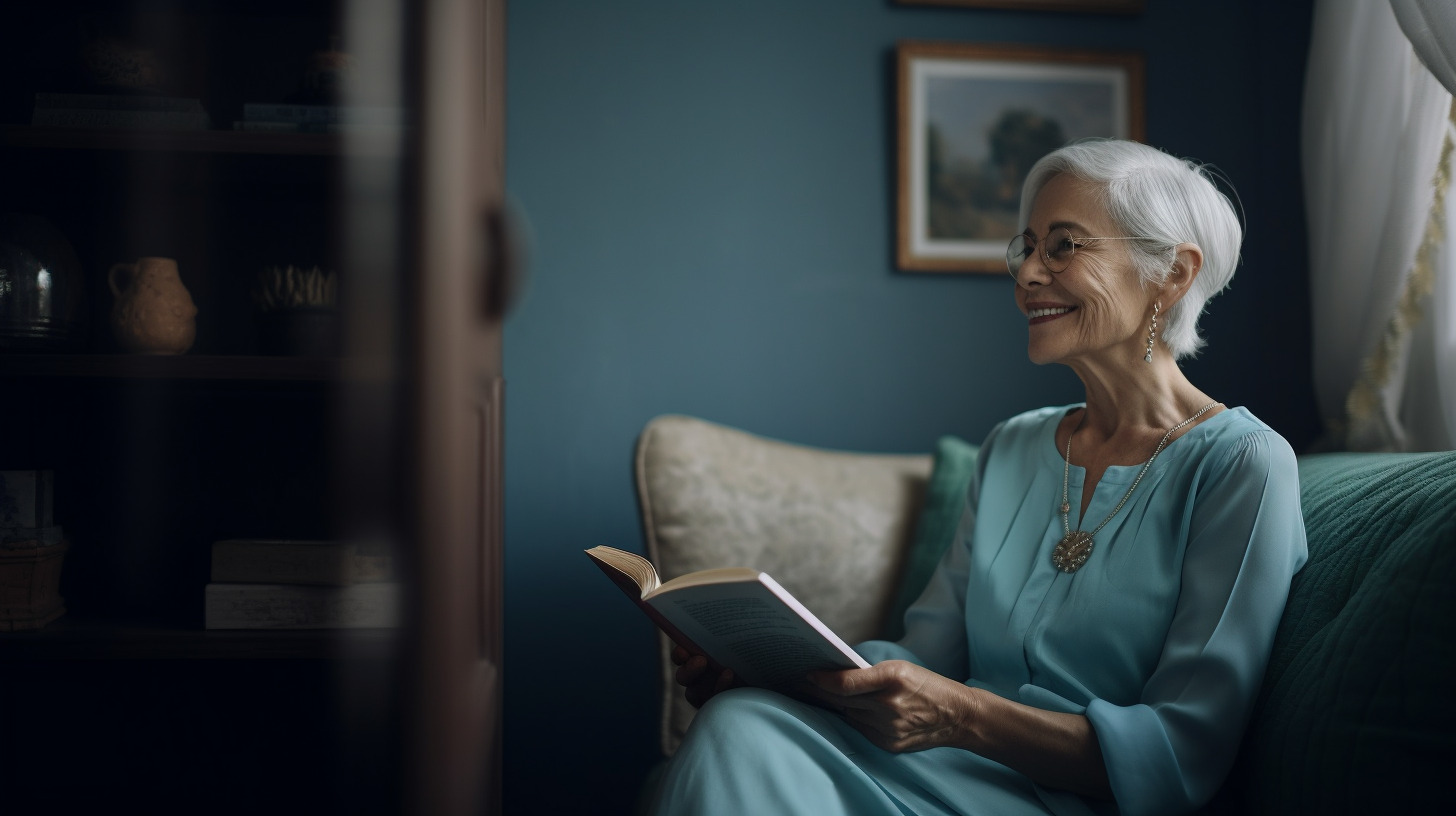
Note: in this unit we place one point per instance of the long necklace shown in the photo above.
(1075, 547)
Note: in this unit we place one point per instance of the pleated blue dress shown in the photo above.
(1160, 639)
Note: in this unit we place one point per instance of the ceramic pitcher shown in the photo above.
(153, 313)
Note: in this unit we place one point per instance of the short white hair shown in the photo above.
(1167, 200)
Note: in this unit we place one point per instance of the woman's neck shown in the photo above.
(1130, 401)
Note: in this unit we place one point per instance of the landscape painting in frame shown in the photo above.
(972, 121)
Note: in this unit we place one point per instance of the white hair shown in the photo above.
(1166, 200)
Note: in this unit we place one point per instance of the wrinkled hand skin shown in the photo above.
(699, 684)
(899, 706)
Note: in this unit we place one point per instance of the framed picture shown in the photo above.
(972, 121)
(1091, 6)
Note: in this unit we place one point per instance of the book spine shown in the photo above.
(267, 112)
(368, 568)
(118, 102)
(120, 119)
(634, 594)
(288, 606)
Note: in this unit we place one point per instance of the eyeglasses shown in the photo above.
(1057, 250)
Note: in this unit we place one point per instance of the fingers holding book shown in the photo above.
(700, 683)
(900, 706)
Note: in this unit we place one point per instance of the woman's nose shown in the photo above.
(1033, 271)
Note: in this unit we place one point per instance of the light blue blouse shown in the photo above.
(1160, 639)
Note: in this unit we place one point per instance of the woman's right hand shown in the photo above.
(698, 682)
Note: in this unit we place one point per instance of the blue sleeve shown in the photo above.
(1245, 540)
(935, 625)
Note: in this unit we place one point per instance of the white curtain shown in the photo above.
(1431, 27)
(1429, 407)
(1376, 123)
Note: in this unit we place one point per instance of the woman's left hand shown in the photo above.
(900, 706)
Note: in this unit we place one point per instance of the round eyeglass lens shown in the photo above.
(1056, 250)
(1017, 252)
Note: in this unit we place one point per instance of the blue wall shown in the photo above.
(711, 191)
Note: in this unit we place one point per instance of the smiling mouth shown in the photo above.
(1037, 315)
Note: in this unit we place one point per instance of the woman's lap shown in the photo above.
(755, 751)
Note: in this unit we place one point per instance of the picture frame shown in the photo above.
(982, 114)
(1069, 6)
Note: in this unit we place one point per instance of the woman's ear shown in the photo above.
(1186, 265)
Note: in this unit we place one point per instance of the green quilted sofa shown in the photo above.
(1357, 713)
(1358, 709)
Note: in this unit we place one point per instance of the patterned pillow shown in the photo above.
(831, 526)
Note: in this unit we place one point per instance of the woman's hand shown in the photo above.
(699, 684)
(900, 706)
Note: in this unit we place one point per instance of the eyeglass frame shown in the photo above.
(1046, 259)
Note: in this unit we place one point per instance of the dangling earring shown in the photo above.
(1152, 332)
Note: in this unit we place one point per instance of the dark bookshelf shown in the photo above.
(200, 141)
(192, 367)
(127, 697)
(80, 638)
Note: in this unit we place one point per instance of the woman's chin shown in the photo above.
(1041, 355)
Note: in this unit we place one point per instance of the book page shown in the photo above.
(720, 575)
(767, 640)
(630, 571)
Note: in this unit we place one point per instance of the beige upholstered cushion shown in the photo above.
(831, 526)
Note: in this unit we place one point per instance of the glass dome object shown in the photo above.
(42, 293)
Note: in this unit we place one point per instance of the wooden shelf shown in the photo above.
(79, 639)
(191, 367)
(203, 141)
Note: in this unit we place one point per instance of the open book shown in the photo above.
(739, 618)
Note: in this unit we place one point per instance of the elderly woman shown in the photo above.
(1094, 639)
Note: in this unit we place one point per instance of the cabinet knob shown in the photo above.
(506, 252)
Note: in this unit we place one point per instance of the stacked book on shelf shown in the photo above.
(286, 118)
(119, 111)
(284, 584)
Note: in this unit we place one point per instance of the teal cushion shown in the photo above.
(1356, 714)
(945, 499)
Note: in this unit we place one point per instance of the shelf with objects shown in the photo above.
(194, 152)
(144, 480)
(379, 143)
(183, 367)
(72, 638)
(172, 312)
(250, 76)
(212, 134)
(165, 254)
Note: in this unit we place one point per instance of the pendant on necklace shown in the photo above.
(1072, 551)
